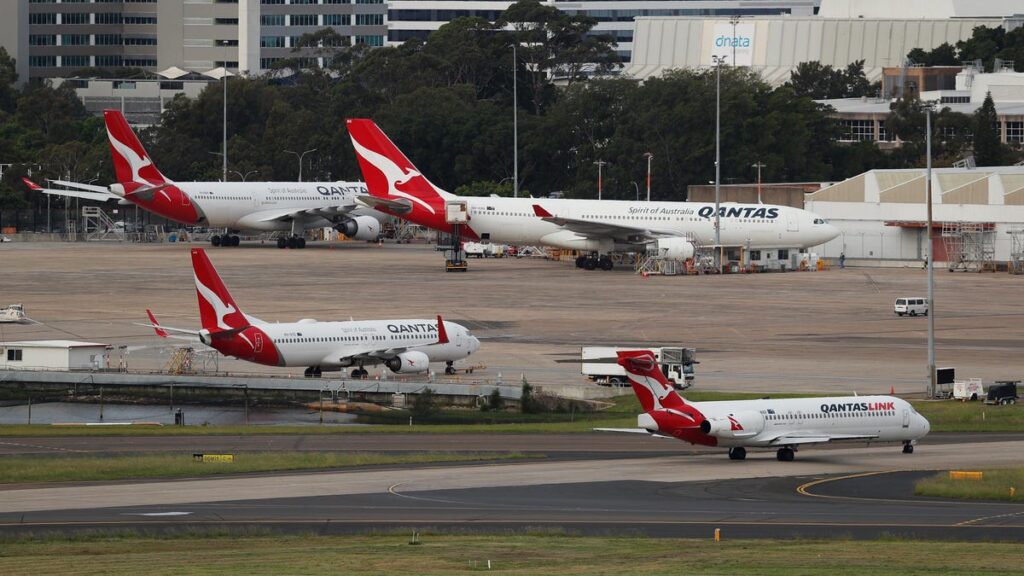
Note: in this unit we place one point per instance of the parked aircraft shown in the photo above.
(404, 346)
(598, 227)
(233, 206)
(784, 424)
(15, 314)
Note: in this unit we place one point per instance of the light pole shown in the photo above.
(734, 21)
(649, 157)
(636, 188)
(224, 81)
(719, 60)
(600, 164)
(515, 123)
(300, 157)
(758, 165)
(930, 262)
(246, 175)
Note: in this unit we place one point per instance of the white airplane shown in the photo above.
(15, 314)
(599, 227)
(233, 206)
(404, 346)
(784, 424)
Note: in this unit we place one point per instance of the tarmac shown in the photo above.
(831, 331)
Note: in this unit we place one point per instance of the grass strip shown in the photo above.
(78, 468)
(532, 552)
(994, 485)
(944, 416)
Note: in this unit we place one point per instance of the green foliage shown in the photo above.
(822, 81)
(494, 402)
(994, 485)
(485, 188)
(988, 150)
(425, 404)
(528, 403)
(942, 55)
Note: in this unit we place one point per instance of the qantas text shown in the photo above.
(858, 407)
(740, 212)
(412, 328)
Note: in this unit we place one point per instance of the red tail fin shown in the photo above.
(217, 310)
(388, 173)
(131, 163)
(650, 386)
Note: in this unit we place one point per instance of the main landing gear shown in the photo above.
(449, 367)
(593, 262)
(225, 240)
(291, 242)
(737, 453)
(785, 454)
(313, 372)
(360, 373)
(908, 448)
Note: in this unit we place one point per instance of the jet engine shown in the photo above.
(410, 362)
(739, 425)
(674, 248)
(359, 227)
(205, 337)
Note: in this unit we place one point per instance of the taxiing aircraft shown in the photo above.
(233, 206)
(598, 227)
(404, 346)
(784, 424)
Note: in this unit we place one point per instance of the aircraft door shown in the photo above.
(792, 221)
(906, 418)
(458, 339)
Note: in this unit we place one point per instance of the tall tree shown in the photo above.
(988, 150)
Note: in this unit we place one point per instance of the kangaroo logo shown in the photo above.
(220, 309)
(734, 424)
(393, 173)
(136, 162)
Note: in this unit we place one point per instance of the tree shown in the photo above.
(8, 76)
(988, 150)
(425, 404)
(494, 401)
(942, 55)
(822, 81)
(528, 403)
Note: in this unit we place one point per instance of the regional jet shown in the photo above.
(783, 424)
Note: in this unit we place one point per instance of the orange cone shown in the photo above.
(892, 390)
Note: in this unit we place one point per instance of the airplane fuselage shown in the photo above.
(333, 345)
(760, 423)
(756, 226)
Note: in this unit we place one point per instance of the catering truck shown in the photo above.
(600, 364)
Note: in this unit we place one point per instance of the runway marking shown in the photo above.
(984, 518)
(392, 490)
(803, 490)
(159, 514)
(58, 448)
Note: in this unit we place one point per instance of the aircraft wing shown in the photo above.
(289, 214)
(397, 205)
(791, 439)
(596, 229)
(101, 194)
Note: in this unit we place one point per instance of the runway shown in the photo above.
(595, 493)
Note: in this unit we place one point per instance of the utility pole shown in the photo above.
(734, 21)
(515, 123)
(718, 60)
(930, 262)
(224, 81)
(758, 165)
(600, 164)
(300, 157)
(649, 157)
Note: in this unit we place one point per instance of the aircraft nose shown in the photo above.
(924, 424)
(830, 233)
(474, 343)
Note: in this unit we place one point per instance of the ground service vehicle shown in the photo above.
(911, 306)
(600, 364)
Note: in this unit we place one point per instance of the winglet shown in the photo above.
(32, 185)
(442, 334)
(156, 325)
(540, 212)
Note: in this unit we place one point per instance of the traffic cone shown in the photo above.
(892, 390)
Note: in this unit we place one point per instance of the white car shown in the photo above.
(911, 306)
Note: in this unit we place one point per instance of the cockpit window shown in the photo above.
(820, 221)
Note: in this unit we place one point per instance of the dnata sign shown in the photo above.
(733, 42)
(733, 45)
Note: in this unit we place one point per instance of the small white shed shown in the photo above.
(53, 355)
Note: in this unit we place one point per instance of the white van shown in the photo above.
(911, 306)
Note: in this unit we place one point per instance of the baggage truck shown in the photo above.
(600, 364)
